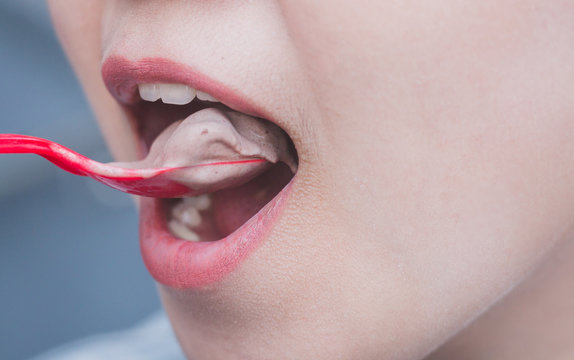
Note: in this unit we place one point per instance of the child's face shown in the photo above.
(436, 160)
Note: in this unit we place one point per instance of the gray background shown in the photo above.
(69, 258)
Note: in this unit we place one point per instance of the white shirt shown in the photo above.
(152, 339)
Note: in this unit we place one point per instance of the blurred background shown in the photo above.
(69, 255)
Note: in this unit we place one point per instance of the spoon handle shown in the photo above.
(61, 156)
(145, 182)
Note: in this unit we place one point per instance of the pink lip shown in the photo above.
(122, 76)
(172, 261)
(183, 264)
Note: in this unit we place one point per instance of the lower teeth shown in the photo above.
(181, 231)
(185, 216)
(202, 202)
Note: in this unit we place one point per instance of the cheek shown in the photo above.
(419, 97)
(448, 134)
(78, 25)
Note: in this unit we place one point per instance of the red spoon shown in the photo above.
(151, 182)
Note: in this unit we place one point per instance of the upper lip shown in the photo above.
(122, 76)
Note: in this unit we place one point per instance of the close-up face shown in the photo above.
(422, 161)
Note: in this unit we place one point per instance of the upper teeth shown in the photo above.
(176, 94)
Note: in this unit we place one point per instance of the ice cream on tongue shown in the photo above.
(212, 136)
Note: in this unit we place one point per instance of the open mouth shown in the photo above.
(191, 241)
(213, 215)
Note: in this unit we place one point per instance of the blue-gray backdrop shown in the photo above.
(69, 258)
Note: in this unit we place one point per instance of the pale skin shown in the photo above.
(435, 180)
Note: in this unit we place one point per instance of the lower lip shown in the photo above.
(184, 264)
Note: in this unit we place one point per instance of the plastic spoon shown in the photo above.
(150, 182)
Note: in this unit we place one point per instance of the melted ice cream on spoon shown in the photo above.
(216, 149)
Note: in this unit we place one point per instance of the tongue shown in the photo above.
(232, 207)
(240, 146)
